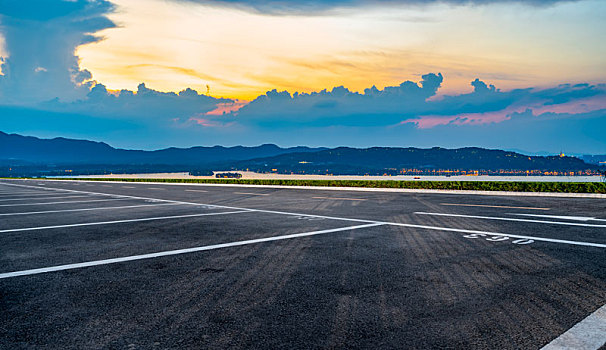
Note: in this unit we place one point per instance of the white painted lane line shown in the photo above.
(252, 194)
(107, 185)
(65, 202)
(88, 209)
(177, 252)
(589, 334)
(446, 229)
(28, 198)
(119, 221)
(512, 219)
(25, 194)
(341, 199)
(577, 218)
(492, 206)
(154, 188)
(128, 187)
(195, 191)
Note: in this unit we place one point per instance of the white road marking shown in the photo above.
(340, 199)
(252, 194)
(24, 194)
(446, 229)
(119, 221)
(178, 251)
(577, 218)
(195, 191)
(65, 202)
(587, 244)
(128, 187)
(511, 219)
(87, 209)
(154, 188)
(492, 206)
(589, 334)
(28, 198)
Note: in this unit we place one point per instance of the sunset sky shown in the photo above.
(525, 75)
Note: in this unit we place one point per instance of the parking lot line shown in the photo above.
(87, 209)
(341, 199)
(252, 194)
(28, 198)
(562, 217)
(436, 228)
(119, 221)
(38, 193)
(589, 334)
(492, 206)
(511, 219)
(488, 233)
(178, 251)
(65, 202)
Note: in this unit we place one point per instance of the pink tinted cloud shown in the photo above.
(225, 108)
(573, 107)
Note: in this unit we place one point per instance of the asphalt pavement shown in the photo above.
(103, 265)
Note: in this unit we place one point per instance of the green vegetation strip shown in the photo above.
(562, 187)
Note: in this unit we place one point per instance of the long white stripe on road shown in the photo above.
(65, 202)
(28, 198)
(119, 221)
(511, 219)
(488, 233)
(491, 206)
(561, 217)
(177, 252)
(446, 229)
(86, 209)
(589, 334)
(252, 194)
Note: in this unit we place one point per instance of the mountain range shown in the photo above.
(27, 155)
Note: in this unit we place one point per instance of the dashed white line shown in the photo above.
(511, 219)
(589, 334)
(177, 252)
(119, 221)
(128, 187)
(195, 191)
(154, 188)
(492, 206)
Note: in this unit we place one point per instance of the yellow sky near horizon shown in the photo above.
(171, 46)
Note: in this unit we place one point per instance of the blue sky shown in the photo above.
(526, 75)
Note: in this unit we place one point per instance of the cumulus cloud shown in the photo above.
(147, 106)
(41, 37)
(280, 7)
(415, 103)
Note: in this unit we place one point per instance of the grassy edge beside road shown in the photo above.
(561, 187)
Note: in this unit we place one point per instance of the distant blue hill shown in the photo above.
(26, 155)
(20, 149)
